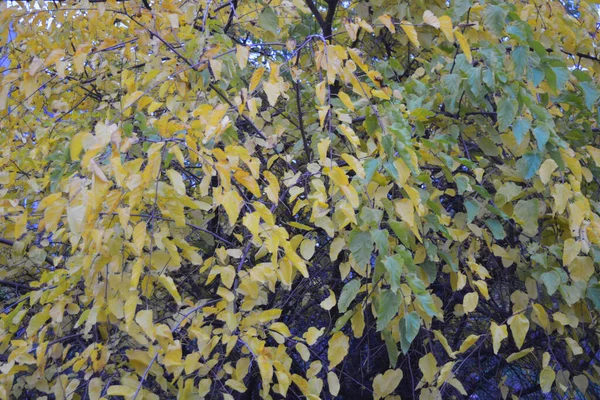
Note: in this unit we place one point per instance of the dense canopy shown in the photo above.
(299, 199)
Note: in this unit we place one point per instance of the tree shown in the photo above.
(320, 199)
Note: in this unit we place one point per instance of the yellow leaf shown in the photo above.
(144, 320)
(54, 56)
(429, 368)
(303, 351)
(241, 55)
(571, 250)
(320, 92)
(329, 302)
(131, 98)
(547, 379)
(176, 151)
(595, 154)
(95, 387)
(444, 342)
(446, 27)
(120, 390)
(139, 236)
(204, 387)
(581, 269)
(357, 321)
(236, 385)
(130, 306)
(273, 91)
(430, 19)
(216, 66)
(176, 181)
(546, 170)
(411, 32)
(519, 325)
(322, 148)
(231, 202)
(336, 247)
(483, 289)
(338, 349)
(255, 79)
(248, 182)
(499, 333)
(385, 384)
(226, 294)
(574, 346)
(470, 302)
(21, 225)
(334, 383)
(169, 284)
(307, 248)
(97, 171)
(346, 100)
(542, 315)
(518, 355)
(387, 21)
(350, 134)
(355, 164)
(272, 191)
(469, 341)
(136, 272)
(312, 335)
(77, 145)
(464, 45)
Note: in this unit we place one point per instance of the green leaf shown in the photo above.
(361, 246)
(428, 305)
(394, 267)
(409, 328)
(556, 77)
(472, 208)
(496, 228)
(590, 93)
(521, 128)
(348, 294)
(392, 348)
(371, 166)
(380, 237)
(389, 304)
(269, 20)
(529, 164)
(402, 232)
(593, 293)
(507, 111)
(541, 134)
(525, 214)
(551, 280)
(493, 19)
(370, 216)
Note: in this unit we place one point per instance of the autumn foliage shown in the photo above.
(299, 199)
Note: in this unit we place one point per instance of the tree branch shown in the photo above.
(11, 243)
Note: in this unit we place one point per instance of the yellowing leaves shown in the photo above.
(499, 333)
(329, 302)
(430, 19)
(446, 27)
(242, 53)
(470, 302)
(571, 250)
(519, 325)
(385, 384)
(338, 349)
(411, 32)
(255, 79)
(387, 21)
(464, 45)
